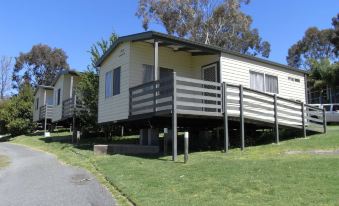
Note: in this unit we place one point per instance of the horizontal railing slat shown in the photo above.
(202, 105)
(198, 81)
(197, 89)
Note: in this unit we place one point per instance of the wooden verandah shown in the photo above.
(180, 96)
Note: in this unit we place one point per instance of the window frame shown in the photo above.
(37, 104)
(58, 96)
(264, 81)
(114, 92)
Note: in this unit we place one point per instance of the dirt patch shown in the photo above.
(316, 152)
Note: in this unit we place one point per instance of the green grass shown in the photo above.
(261, 175)
(3, 161)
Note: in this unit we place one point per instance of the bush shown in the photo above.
(16, 113)
(19, 126)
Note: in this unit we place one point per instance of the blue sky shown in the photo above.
(74, 25)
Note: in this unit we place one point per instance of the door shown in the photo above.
(210, 73)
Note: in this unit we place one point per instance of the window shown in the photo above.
(263, 82)
(37, 104)
(108, 84)
(271, 84)
(293, 79)
(116, 81)
(257, 81)
(49, 100)
(336, 108)
(58, 96)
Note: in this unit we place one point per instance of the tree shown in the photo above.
(216, 22)
(88, 86)
(324, 75)
(17, 112)
(40, 65)
(335, 37)
(315, 45)
(5, 72)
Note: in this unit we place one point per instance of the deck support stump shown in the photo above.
(186, 144)
(241, 116)
(165, 140)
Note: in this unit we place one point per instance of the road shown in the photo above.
(37, 178)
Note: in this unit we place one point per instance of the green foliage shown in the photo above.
(88, 87)
(99, 48)
(216, 22)
(40, 65)
(324, 73)
(316, 44)
(335, 37)
(87, 90)
(17, 112)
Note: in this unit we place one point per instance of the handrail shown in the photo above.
(200, 97)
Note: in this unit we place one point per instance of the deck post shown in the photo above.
(324, 120)
(74, 136)
(276, 123)
(186, 147)
(156, 60)
(303, 119)
(224, 103)
(165, 140)
(174, 119)
(71, 88)
(241, 116)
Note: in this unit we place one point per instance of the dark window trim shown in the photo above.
(115, 93)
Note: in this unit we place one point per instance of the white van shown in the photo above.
(332, 111)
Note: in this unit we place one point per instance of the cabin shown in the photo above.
(43, 103)
(64, 96)
(152, 81)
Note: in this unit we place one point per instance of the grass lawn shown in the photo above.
(261, 175)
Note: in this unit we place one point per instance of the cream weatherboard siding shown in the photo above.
(63, 83)
(41, 95)
(130, 56)
(57, 111)
(236, 70)
(115, 107)
(183, 63)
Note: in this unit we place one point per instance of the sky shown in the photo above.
(74, 25)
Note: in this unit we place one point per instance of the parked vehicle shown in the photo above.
(332, 112)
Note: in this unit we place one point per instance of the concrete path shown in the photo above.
(37, 178)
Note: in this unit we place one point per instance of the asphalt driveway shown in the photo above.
(37, 178)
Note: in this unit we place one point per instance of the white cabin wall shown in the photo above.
(199, 61)
(57, 112)
(36, 111)
(115, 107)
(143, 53)
(236, 70)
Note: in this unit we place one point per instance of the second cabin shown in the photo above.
(64, 95)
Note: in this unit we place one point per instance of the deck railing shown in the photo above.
(205, 98)
(68, 107)
(46, 111)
